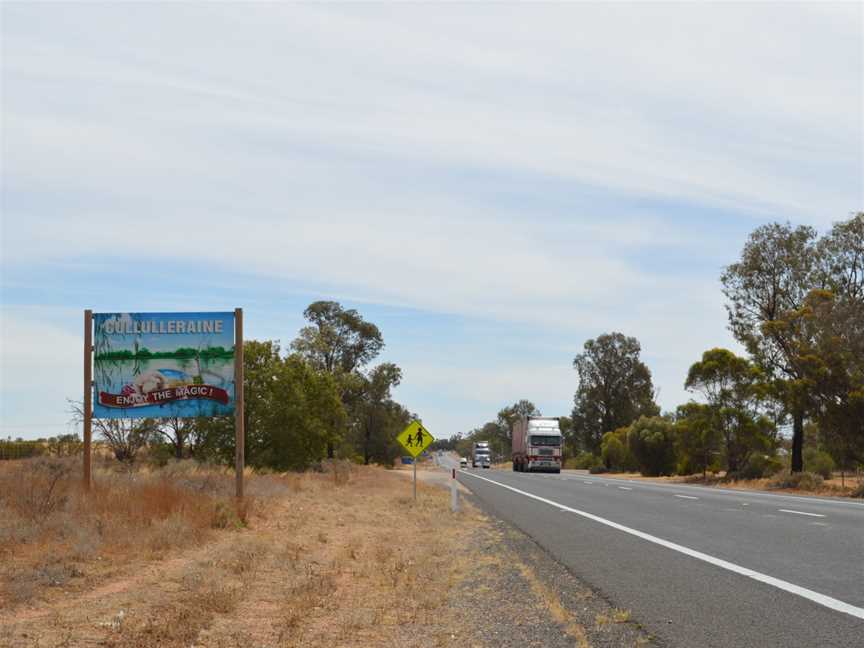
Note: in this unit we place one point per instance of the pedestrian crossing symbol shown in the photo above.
(415, 438)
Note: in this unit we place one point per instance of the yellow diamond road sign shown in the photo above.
(415, 438)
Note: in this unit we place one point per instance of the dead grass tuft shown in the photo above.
(552, 603)
(44, 511)
(613, 616)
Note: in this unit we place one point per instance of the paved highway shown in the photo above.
(698, 566)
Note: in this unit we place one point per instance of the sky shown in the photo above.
(490, 184)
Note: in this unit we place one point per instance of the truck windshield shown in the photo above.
(545, 440)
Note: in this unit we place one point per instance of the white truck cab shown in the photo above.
(538, 444)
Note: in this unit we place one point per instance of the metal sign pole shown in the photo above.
(88, 395)
(415, 478)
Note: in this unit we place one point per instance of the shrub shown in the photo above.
(38, 487)
(759, 466)
(819, 462)
(159, 455)
(652, 442)
(597, 469)
(20, 449)
(799, 481)
(583, 461)
(858, 491)
(613, 451)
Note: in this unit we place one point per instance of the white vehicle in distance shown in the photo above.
(463, 462)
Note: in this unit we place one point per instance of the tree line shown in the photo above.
(795, 301)
(321, 398)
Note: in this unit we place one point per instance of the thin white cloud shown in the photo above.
(369, 151)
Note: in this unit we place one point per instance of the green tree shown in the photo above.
(340, 343)
(778, 268)
(175, 432)
(614, 389)
(835, 362)
(699, 439)
(833, 366)
(613, 450)
(304, 417)
(571, 443)
(500, 434)
(378, 416)
(292, 413)
(652, 442)
(337, 340)
(734, 389)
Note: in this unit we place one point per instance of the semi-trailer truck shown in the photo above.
(480, 455)
(537, 444)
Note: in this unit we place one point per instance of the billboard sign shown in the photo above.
(155, 365)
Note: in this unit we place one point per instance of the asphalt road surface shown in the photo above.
(698, 566)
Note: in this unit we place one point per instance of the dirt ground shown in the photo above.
(324, 561)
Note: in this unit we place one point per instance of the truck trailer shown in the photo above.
(537, 444)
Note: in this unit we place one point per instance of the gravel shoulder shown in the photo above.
(512, 593)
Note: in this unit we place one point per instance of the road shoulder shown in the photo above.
(519, 595)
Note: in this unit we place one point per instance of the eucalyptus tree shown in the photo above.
(699, 438)
(651, 440)
(377, 413)
(337, 340)
(341, 343)
(502, 434)
(615, 388)
(778, 268)
(734, 390)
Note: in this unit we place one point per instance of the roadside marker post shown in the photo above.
(415, 439)
(454, 493)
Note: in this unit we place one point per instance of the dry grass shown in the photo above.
(613, 616)
(51, 531)
(342, 557)
(372, 563)
(553, 604)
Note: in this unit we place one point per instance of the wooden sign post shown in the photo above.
(239, 419)
(88, 395)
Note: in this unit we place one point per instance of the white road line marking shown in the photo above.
(587, 482)
(800, 513)
(820, 599)
(686, 496)
(838, 501)
(624, 488)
